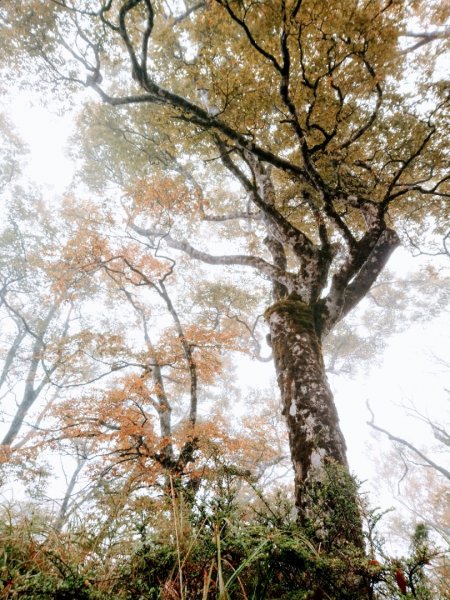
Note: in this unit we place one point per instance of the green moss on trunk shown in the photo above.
(296, 309)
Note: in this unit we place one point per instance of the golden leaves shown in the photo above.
(163, 195)
(85, 250)
(207, 346)
(118, 417)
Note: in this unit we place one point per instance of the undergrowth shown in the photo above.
(229, 542)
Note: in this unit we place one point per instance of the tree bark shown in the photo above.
(316, 441)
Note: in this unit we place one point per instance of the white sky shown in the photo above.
(46, 135)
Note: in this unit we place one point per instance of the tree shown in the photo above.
(50, 341)
(299, 112)
(418, 472)
(418, 480)
(157, 423)
(32, 312)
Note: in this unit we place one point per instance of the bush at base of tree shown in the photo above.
(215, 548)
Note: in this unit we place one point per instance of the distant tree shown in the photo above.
(410, 449)
(418, 471)
(48, 339)
(417, 478)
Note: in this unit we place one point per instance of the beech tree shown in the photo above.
(321, 128)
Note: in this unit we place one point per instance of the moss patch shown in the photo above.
(297, 310)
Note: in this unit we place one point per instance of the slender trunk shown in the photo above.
(62, 513)
(27, 402)
(32, 387)
(316, 441)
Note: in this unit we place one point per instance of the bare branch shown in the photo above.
(238, 259)
(408, 445)
(424, 38)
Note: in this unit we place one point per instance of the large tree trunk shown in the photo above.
(316, 441)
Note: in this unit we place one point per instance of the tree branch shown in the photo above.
(250, 37)
(257, 263)
(408, 445)
(262, 194)
(199, 116)
(375, 263)
(364, 266)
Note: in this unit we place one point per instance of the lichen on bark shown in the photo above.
(315, 437)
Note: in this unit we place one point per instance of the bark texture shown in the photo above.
(308, 406)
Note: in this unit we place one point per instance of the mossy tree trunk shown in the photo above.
(316, 441)
(307, 401)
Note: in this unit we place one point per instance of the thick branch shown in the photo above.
(364, 267)
(262, 194)
(199, 116)
(257, 263)
(276, 249)
(357, 290)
